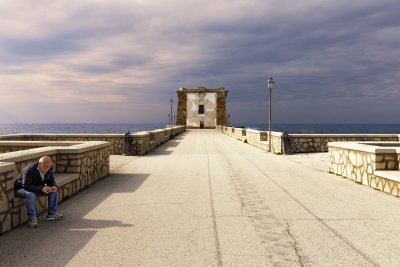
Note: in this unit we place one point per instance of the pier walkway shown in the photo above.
(206, 199)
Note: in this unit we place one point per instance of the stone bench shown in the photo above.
(76, 166)
(65, 183)
(390, 175)
(387, 181)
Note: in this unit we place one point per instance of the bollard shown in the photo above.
(128, 144)
(286, 144)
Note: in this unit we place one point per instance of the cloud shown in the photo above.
(125, 53)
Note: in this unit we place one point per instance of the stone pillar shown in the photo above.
(221, 108)
(181, 111)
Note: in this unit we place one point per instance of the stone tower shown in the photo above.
(201, 107)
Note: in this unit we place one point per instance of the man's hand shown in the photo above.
(46, 189)
(53, 189)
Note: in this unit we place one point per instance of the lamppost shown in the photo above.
(270, 85)
(171, 102)
(229, 119)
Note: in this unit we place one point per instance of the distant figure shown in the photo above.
(37, 179)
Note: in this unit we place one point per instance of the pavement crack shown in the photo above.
(160, 203)
(295, 244)
(214, 219)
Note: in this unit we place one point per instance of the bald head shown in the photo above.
(45, 164)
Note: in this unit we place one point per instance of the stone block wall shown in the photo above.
(360, 162)
(116, 140)
(89, 161)
(92, 165)
(309, 143)
(141, 144)
(167, 134)
(7, 177)
(156, 138)
(11, 146)
(355, 165)
(301, 143)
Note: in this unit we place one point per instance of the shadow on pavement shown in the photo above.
(56, 243)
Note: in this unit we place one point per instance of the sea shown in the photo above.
(122, 128)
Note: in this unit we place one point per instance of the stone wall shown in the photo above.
(360, 162)
(300, 143)
(141, 143)
(308, 143)
(254, 137)
(10, 146)
(87, 162)
(116, 140)
(240, 134)
(79, 162)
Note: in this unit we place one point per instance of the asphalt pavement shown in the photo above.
(206, 199)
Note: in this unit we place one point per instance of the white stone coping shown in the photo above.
(274, 133)
(140, 134)
(33, 153)
(277, 134)
(363, 146)
(83, 147)
(60, 135)
(92, 135)
(6, 166)
(38, 143)
(253, 131)
(157, 131)
(27, 154)
(391, 175)
(344, 135)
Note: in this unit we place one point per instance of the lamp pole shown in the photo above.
(270, 85)
(171, 102)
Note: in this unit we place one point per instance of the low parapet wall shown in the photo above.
(142, 144)
(298, 143)
(366, 163)
(85, 162)
(308, 143)
(79, 159)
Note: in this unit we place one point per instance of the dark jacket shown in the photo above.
(30, 179)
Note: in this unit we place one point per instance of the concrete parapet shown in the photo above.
(240, 134)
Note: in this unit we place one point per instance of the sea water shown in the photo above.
(122, 128)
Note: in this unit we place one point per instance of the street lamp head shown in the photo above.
(171, 102)
(271, 83)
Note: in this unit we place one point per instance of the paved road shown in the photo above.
(205, 199)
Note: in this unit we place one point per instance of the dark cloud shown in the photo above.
(328, 58)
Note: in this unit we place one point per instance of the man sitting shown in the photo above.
(37, 179)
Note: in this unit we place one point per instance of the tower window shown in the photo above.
(201, 109)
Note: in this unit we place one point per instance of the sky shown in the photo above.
(68, 61)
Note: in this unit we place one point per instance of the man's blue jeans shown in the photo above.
(30, 201)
